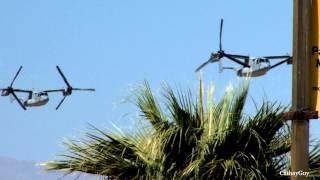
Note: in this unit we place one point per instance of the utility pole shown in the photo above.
(301, 88)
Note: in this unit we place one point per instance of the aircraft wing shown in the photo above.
(54, 90)
(22, 91)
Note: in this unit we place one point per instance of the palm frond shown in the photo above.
(191, 137)
(149, 108)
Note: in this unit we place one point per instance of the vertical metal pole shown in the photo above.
(301, 60)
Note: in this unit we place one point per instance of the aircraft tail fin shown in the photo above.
(221, 68)
(12, 99)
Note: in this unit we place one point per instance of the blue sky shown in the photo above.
(113, 46)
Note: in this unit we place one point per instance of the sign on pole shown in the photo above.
(314, 68)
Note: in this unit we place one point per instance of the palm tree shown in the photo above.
(190, 138)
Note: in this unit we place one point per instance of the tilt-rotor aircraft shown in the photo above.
(39, 98)
(249, 67)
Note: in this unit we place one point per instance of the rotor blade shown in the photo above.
(277, 64)
(215, 57)
(220, 37)
(54, 90)
(83, 89)
(236, 60)
(63, 77)
(15, 77)
(202, 65)
(18, 100)
(61, 102)
(211, 60)
(276, 57)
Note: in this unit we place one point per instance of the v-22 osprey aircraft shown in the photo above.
(39, 98)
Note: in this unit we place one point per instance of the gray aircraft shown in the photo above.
(39, 98)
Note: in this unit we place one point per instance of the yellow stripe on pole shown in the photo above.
(314, 82)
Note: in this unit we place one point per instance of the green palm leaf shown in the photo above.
(191, 137)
